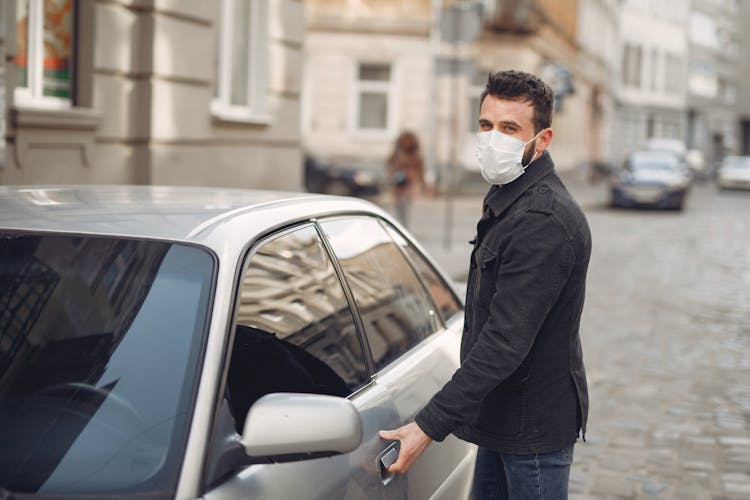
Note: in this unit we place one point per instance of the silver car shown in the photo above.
(734, 173)
(184, 342)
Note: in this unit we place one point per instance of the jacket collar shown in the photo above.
(501, 197)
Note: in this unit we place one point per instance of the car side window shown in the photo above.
(295, 331)
(442, 295)
(394, 308)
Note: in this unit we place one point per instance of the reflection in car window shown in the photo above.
(99, 345)
(442, 295)
(394, 307)
(295, 330)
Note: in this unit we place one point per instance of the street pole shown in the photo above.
(455, 67)
(4, 99)
(430, 160)
(463, 26)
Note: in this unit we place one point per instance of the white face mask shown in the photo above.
(501, 156)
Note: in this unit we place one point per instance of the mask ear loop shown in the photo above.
(533, 157)
(535, 152)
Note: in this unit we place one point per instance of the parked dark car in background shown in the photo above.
(656, 179)
(326, 177)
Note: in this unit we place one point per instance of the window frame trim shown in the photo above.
(443, 324)
(356, 315)
(246, 258)
(255, 110)
(32, 95)
(389, 89)
(388, 227)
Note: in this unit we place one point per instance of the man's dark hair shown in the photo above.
(520, 86)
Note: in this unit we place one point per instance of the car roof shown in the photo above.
(736, 158)
(666, 144)
(654, 156)
(161, 212)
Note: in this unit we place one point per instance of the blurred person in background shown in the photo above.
(405, 170)
(520, 393)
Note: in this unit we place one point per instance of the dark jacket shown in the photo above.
(521, 387)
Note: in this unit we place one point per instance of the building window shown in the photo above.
(631, 65)
(240, 92)
(703, 30)
(650, 126)
(654, 69)
(703, 80)
(373, 97)
(727, 91)
(673, 71)
(477, 85)
(45, 33)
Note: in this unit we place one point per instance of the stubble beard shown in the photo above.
(528, 153)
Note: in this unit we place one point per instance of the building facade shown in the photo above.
(744, 82)
(152, 92)
(714, 77)
(571, 46)
(367, 78)
(599, 38)
(652, 90)
(376, 68)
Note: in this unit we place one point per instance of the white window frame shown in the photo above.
(388, 88)
(633, 65)
(256, 109)
(673, 65)
(654, 70)
(33, 94)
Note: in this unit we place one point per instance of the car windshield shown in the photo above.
(99, 346)
(653, 161)
(666, 167)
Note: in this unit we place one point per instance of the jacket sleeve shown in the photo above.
(533, 269)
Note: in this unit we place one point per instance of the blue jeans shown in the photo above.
(499, 476)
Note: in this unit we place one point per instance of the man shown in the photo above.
(520, 393)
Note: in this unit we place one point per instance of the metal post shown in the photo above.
(3, 86)
(451, 170)
(430, 161)
(462, 26)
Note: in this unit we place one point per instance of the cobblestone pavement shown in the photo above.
(666, 335)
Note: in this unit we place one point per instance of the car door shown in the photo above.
(438, 359)
(295, 332)
(402, 303)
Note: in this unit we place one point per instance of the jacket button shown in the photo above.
(543, 189)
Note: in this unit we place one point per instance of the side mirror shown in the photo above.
(285, 425)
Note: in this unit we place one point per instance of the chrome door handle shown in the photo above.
(387, 458)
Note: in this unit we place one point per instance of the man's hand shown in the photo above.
(413, 443)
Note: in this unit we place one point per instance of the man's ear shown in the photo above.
(544, 140)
